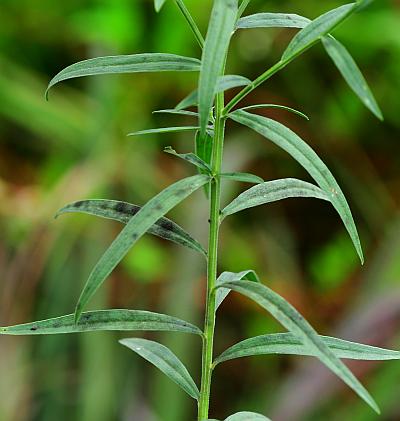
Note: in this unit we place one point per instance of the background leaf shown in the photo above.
(158, 4)
(151, 212)
(123, 212)
(103, 320)
(220, 29)
(308, 159)
(166, 361)
(290, 344)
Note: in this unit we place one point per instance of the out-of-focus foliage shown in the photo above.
(75, 147)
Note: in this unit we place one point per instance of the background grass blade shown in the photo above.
(166, 361)
(123, 212)
(292, 320)
(351, 73)
(191, 158)
(162, 130)
(247, 416)
(316, 29)
(138, 225)
(220, 29)
(103, 320)
(149, 62)
(222, 293)
(223, 84)
(289, 344)
(309, 160)
(272, 191)
(272, 20)
(243, 177)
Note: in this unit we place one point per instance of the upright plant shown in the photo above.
(300, 338)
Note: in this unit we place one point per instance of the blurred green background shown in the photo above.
(75, 147)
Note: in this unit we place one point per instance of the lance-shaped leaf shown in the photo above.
(158, 4)
(166, 361)
(137, 226)
(281, 107)
(123, 212)
(135, 63)
(220, 29)
(290, 344)
(192, 158)
(104, 320)
(243, 177)
(305, 155)
(222, 293)
(272, 20)
(162, 130)
(316, 29)
(292, 320)
(272, 191)
(176, 111)
(247, 416)
(223, 84)
(351, 73)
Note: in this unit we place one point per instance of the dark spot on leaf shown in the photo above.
(121, 207)
(79, 204)
(134, 236)
(34, 328)
(158, 207)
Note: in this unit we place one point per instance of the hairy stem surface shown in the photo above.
(209, 323)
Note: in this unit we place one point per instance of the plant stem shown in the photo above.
(191, 22)
(209, 323)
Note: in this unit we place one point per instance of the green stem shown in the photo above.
(191, 22)
(209, 323)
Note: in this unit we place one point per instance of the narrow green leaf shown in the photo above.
(123, 212)
(316, 29)
(242, 176)
(176, 111)
(272, 191)
(310, 161)
(104, 320)
(247, 416)
(273, 20)
(138, 225)
(166, 361)
(158, 4)
(222, 293)
(351, 73)
(192, 158)
(282, 107)
(289, 344)
(224, 83)
(165, 130)
(220, 29)
(292, 320)
(136, 63)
